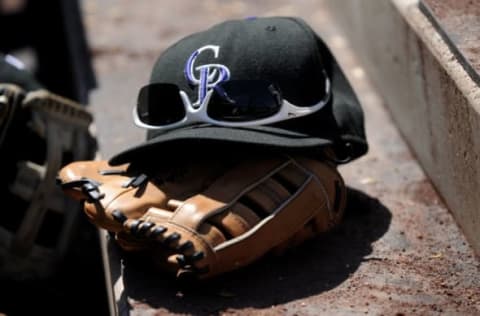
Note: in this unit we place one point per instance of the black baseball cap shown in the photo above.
(283, 50)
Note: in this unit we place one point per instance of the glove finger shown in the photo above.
(186, 247)
(266, 197)
(130, 243)
(235, 222)
(119, 216)
(335, 191)
(251, 208)
(137, 227)
(79, 179)
(141, 228)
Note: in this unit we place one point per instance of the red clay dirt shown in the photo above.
(398, 251)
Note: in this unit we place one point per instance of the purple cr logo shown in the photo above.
(205, 76)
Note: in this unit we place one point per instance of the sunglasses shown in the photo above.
(233, 103)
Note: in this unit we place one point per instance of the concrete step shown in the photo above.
(430, 93)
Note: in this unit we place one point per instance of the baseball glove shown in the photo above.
(209, 217)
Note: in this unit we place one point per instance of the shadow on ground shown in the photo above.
(76, 288)
(317, 266)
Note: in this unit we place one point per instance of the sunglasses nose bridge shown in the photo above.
(195, 114)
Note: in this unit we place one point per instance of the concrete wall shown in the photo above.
(430, 96)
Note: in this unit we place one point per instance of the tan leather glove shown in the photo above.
(211, 217)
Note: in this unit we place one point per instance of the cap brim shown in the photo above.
(181, 140)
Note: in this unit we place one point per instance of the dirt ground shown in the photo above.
(398, 252)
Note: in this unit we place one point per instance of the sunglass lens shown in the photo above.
(160, 104)
(244, 100)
